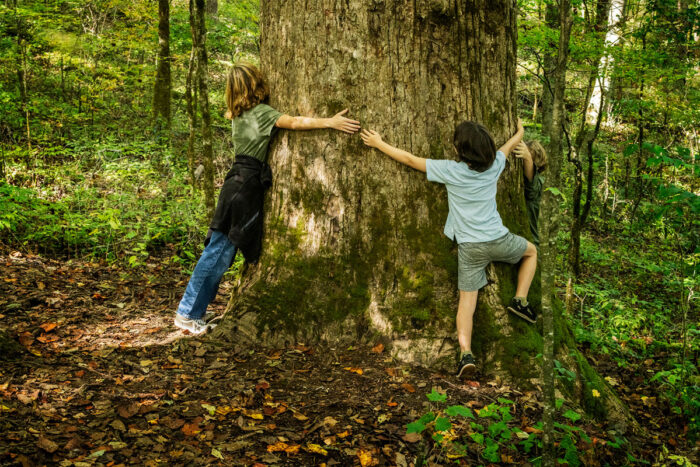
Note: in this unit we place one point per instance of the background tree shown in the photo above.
(202, 70)
(161, 92)
(354, 245)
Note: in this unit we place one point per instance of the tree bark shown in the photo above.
(354, 248)
(161, 91)
(213, 8)
(199, 42)
(190, 99)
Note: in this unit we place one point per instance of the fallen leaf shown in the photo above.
(190, 429)
(379, 348)
(365, 457)
(293, 449)
(277, 447)
(315, 448)
(408, 387)
(128, 411)
(262, 385)
(354, 370)
(46, 444)
(330, 422)
(411, 437)
(48, 327)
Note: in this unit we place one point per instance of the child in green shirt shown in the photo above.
(534, 162)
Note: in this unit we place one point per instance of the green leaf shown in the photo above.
(438, 437)
(505, 401)
(571, 415)
(427, 418)
(435, 396)
(558, 403)
(455, 410)
(443, 424)
(415, 427)
(491, 453)
(477, 437)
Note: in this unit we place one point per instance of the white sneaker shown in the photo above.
(195, 326)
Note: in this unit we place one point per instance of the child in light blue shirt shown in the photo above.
(473, 221)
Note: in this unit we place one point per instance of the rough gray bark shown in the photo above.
(354, 247)
(199, 43)
(161, 91)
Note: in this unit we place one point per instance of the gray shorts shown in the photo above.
(474, 257)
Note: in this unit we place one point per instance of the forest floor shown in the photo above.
(107, 380)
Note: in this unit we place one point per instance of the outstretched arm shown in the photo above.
(373, 139)
(337, 122)
(522, 152)
(514, 140)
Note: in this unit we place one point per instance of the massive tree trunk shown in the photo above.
(161, 91)
(354, 247)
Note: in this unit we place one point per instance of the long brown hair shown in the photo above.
(245, 88)
(539, 157)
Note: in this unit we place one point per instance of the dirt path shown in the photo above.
(107, 380)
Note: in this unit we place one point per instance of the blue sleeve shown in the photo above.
(439, 170)
(501, 161)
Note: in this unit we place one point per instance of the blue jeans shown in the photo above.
(204, 283)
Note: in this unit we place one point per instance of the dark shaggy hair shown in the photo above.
(475, 146)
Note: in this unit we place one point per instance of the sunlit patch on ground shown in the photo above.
(63, 306)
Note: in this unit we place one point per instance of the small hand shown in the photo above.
(344, 124)
(522, 152)
(371, 138)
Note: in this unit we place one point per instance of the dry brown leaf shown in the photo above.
(408, 387)
(379, 348)
(46, 444)
(190, 429)
(48, 327)
(354, 370)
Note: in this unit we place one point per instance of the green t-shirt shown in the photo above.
(252, 130)
(533, 195)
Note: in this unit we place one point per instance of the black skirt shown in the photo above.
(239, 211)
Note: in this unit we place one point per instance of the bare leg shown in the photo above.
(527, 271)
(465, 316)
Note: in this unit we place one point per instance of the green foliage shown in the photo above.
(112, 205)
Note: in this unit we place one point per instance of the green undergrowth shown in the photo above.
(492, 434)
(117, 201)
(636, 308)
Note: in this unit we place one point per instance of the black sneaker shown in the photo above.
(466, 366)
(524, 311)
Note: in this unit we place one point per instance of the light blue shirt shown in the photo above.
(471, 197)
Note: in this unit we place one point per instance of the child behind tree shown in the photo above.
(534, 162)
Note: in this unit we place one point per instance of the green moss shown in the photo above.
(310, 292)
